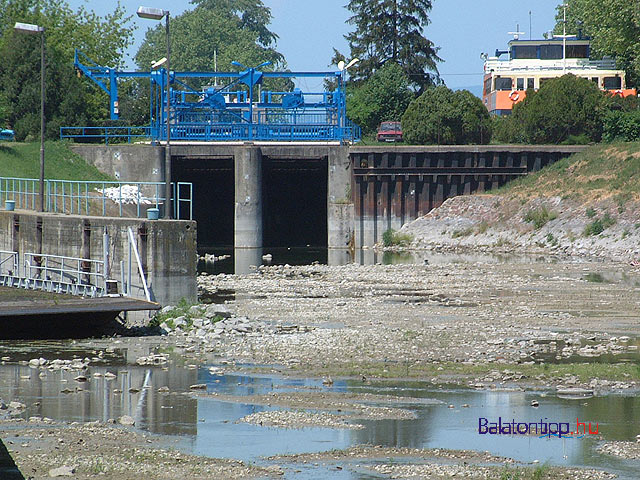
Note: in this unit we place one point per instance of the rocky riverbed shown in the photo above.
(552, 324)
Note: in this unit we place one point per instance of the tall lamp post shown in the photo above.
(158, 14)
(36, 29)
(343, 67)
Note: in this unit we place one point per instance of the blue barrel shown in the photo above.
(153, 214)
(10, 205)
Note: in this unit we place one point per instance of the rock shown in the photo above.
(167, 309)
(180, 321)
(63, 471)
(195, 310)
(216, 310)
(199, 386)
(127, 421)
(17, 406)
(163, 389)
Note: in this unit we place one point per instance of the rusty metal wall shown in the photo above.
(395, 185)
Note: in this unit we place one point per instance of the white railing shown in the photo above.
(110, 199)
(535, 65)
(68, 270)
(9, 264)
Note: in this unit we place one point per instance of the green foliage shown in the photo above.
(567, 109)
(621, 126)
(590, 212)
(540, 217)
(22, 160)
(391, 31)
(384, 96)
(444, 117)
(599, 225)
(69, 100)
(216, 28)
(614, 27)
(391, 238)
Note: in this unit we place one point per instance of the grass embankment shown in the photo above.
(610, 171)
(22, 160)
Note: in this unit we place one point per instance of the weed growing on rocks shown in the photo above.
(391, 238)
(539, 217)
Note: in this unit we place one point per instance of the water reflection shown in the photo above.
(245, 260)
(208, 426)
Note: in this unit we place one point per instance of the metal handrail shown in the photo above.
(81, 271)
(78, 196)
(12, 259)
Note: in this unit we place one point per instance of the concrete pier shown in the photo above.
(340, 213)
(167, 247)
(248, 197)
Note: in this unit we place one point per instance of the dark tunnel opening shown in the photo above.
(294, 202)
(213, 197)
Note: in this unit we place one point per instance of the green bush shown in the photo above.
(391, 238)
(444, 117)
(621, 126)
(383, 97)
(590, 212)
(539, 217)
(599, 225)
(567, 109)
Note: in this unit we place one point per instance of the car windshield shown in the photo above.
(386, 126)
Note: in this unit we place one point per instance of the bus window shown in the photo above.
(531, 83)
(520, 84)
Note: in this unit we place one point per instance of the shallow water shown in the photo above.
(207, 426)
(243, 261)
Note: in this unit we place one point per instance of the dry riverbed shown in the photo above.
(536, 323)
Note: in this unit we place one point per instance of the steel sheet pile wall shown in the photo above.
(394, 185)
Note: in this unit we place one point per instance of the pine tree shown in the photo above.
(392, 31)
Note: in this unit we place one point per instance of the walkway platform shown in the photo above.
(51, 315)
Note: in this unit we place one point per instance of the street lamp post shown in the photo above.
(36, 29)
(343, 67)
(158, 14)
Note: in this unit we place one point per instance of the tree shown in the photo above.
(564, 109)
(614, 26)
(69, 100)
(212, 29)
(385, 96)
(251, 14)
(391, 30)
(444, 117)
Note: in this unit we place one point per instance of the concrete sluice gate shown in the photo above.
(293, 193)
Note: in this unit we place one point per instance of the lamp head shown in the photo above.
(151, 13)
(28, 28)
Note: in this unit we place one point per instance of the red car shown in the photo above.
(390, 132)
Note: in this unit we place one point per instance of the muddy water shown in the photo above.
(208, 427)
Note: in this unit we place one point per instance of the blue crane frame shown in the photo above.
(236, 110)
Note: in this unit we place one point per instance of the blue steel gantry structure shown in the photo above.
(239, 109)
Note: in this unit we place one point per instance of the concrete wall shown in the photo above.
(167, 248)
(127, 163)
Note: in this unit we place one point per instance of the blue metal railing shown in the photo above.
(107, 134)
(201, 130)
(109, 199)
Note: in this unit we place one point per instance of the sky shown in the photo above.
(310, 29)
